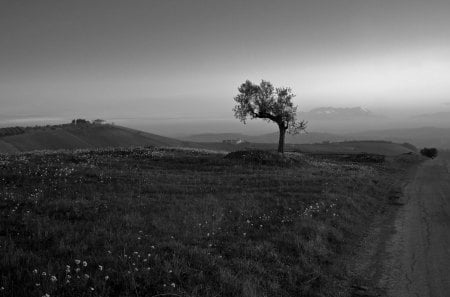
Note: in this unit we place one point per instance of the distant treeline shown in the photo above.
(10, 131)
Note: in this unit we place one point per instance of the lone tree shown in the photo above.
(265, 102)
(429, 152)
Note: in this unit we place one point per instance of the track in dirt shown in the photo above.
(418, 254)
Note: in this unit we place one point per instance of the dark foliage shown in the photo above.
(80, 122)
(429, 152)
(266, 102)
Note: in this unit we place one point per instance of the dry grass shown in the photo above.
(166, 222)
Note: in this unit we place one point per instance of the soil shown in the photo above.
(407, 252)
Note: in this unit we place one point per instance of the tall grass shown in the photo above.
(167, 222)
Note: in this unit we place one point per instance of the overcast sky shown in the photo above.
(186, 58)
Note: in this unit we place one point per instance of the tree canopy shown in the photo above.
(266, 102)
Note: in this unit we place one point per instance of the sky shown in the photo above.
(168, 60)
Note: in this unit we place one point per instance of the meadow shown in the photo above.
(184, 222)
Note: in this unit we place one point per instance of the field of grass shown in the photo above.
(182, 222)
(69, 136)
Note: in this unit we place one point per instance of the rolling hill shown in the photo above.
(420, 137)
(356, 147)
(79, 137)
(312, 137)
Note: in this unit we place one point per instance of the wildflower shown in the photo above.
(37, 284)
(153, 247)
(84, 263)
(69, 276)
(77, 270)
(53, 278)
(135, 253)
(92, 289)
(109, 252)
(44, 273)
(139, 238)
(77, 261)
(46, 295)
(135, 269)
(67, 268)
(172, 285)
(100, 267)
(35, 271)
(86, 276)
(106, 277)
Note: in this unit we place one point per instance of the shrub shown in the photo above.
(429, 152)
(262, 157)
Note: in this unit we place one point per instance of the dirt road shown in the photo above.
(417, 257)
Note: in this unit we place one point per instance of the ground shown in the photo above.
(418, 251)
(184, 222)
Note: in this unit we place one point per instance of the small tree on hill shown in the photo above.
(429, 152)
(265, 102)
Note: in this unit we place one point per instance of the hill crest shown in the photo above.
(70, 136)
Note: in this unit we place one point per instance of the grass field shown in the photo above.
(182, 222)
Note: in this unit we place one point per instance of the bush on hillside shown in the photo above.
(262, 157)
(429, 152)
(80, 122)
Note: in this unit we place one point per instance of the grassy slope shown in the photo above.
(371, 147)
(347, 147)
(184, 222)
(73, 137)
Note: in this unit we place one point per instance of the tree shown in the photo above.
(429, 152)
(265, 102)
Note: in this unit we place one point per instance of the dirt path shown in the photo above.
(417, 256)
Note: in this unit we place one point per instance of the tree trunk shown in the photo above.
(281, 140)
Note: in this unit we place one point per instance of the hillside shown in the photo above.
(354, 147)
(420, 137)
(311, 137)
(80, 137)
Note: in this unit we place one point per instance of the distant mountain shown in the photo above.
(445, 115)
(216, 137)
(80, 136)
(420, 137)
(438, 116)
(337, 113)
(312, 137)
